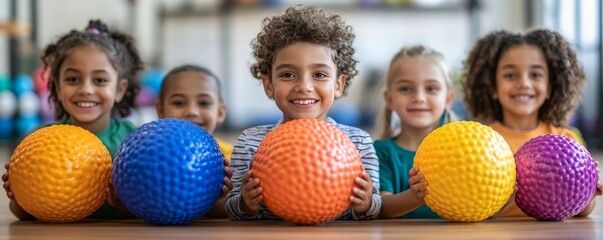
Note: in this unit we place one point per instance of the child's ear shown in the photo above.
(159, 109)
(221, 113)
(450, 98)
(268, 86)
(122, 86)
(340, 85)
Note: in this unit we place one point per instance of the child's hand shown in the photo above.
(362, 194)
(251, 193)
(6, 184)
(599, 190)
(113, 200)
(417, 184)
(227, 183)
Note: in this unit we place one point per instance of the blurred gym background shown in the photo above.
(217, 35)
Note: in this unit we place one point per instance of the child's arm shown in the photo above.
(245, 197)
(13, 206)
(364, 144)
(593, 202)
(218, 210)
(395, 205)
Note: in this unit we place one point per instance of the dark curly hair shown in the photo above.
(120, 49)
(307, 24)
(566, 75)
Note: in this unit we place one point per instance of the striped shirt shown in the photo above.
(247, 145)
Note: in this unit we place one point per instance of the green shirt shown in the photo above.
(394, 164)
(111, 137)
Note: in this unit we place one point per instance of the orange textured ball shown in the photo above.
(307, 169)
(60, 173)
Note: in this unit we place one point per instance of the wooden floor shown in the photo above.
(577, 228)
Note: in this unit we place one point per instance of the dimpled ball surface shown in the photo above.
(169, 171)
(469, 169)
(307, 169)
(556, 177)
(60, 173)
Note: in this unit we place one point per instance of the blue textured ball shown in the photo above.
(169, 171)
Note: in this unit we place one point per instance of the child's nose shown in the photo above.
(305, 85)
(192, 111)
(524, 81)
(419, 96)
(86, 88)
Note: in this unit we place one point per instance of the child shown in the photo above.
(93, 76)
(305, 61)
(523, 86)
(419, 92)
(194, 93)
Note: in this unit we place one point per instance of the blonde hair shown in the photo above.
(388, 124)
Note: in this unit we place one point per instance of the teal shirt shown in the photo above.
(111, 137)
(394, 164)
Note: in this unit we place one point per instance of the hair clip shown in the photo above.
(93, 30)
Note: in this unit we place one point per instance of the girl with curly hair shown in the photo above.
(305, 60)
(93, 77)
(524, 86)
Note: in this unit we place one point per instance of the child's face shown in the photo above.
(304, 81)
(193, 96)
(522, 82)
(88, 87)
(417, 92)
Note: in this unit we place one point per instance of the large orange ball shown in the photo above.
(470, 171)
(60, 173)
(307, 169)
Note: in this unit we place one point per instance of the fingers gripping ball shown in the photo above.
(169, 171)
(307, 169)
(469, 169)
(60, 173)
(556, 177)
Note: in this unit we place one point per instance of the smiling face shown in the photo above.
(88, 87)
(192, 96)
(304, 81)
(522, 84)
(417, 92)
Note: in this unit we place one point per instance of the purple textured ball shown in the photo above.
(556, 177)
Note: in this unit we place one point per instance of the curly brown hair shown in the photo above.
(566, 75)
(120, 49)
(307, 24)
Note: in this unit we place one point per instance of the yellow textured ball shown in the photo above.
(60, 173)
(470, 171)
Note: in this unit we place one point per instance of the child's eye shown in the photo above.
(433, 89)
(404, 89)
(537, 75)
(287, 75)
(509, 75)
(177, 103)
(71, 80)
(205, 103)
(100, 81)
(320, 75)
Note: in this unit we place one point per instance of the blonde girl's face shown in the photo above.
(304, 81)
(193, 96)
(417, 92)
(522, 83)
(88, 87)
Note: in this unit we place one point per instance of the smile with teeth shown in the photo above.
(522, 97)
(304, 102)
(86, 104)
